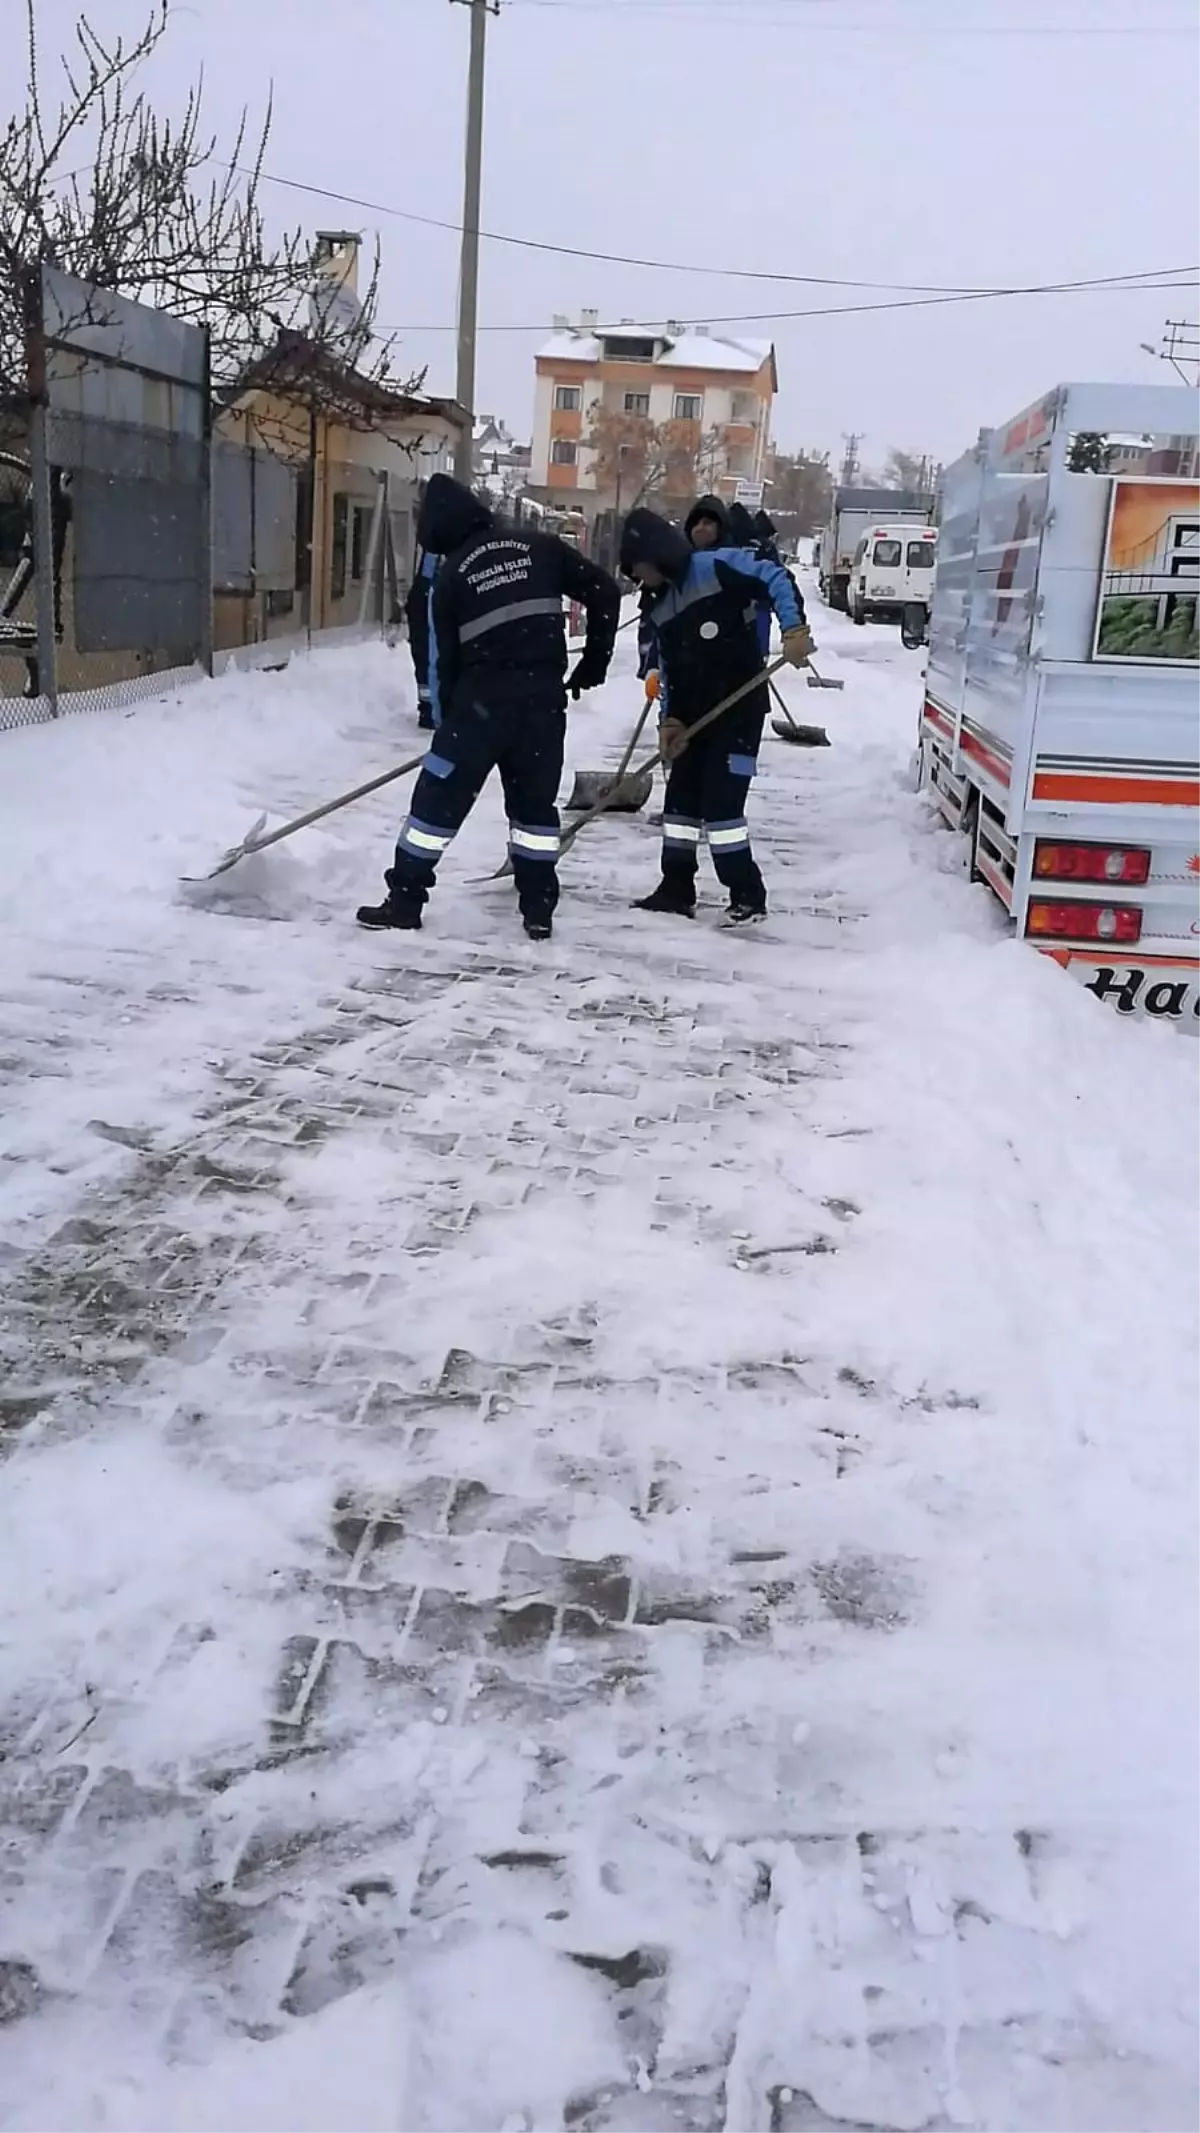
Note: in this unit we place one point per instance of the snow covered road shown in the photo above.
(599, 1535)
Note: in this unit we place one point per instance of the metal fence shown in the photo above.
(139, 548)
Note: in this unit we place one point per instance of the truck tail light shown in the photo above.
(1119, 923)
(1091, 862)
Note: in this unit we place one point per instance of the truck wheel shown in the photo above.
(858, 613)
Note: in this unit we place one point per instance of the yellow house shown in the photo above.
(340, 432)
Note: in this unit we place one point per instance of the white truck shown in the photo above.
(891, 570)
(854, 510)
(1059, 726)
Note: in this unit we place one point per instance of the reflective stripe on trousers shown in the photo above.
(533, 843)
(680, 829)
(727, 836)
(423, 840)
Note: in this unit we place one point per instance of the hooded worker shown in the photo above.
(497, 668)
(764, 534)
(416, 612)
(743, 536)
(707, 523)
(741, 528)
(702, 609)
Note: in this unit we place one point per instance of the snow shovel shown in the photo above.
(821, 681)
(624, 795)
(648, 767)
(596, 790)
(254, 841)
(800, 736)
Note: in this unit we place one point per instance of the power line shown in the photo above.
(909, 28)
(1115, 286)
(674, 266)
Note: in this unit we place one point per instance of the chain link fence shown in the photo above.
(142, 547)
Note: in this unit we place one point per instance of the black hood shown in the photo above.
(449, 515)
(741, 526)
(647, 538)
(764, 526)
(709, 507)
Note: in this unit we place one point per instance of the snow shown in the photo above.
(714, 351)
(689, 350)
(598, 1534)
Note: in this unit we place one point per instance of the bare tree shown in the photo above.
(103, 186)
(907, 470)
(802, 492)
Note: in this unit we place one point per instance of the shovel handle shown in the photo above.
(782, 703)
(317, 814)
(718, 710)
(651, 761)
(607, 798)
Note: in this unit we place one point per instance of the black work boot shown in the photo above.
(743, 914)
(406, 918)
(538, 925)
(676, 897)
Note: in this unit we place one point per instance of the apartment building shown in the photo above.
(702, 394)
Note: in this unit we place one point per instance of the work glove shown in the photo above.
(651, 683)
(587, 674)
(672, 739)
(798, 646)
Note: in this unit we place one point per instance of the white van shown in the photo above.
(892, 569)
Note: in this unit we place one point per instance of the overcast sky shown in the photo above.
(960, 142)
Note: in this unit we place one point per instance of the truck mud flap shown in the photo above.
(1154, 989)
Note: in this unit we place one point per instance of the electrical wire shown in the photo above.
(911, 27)
(933, 290)
(1115, 287)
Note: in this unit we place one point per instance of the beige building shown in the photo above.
(702, 398)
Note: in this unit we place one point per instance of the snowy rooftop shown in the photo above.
(689, 349)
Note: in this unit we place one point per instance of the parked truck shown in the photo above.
(854, 512)
(1059, 728)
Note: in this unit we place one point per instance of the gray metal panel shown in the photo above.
(123, 450)
(232, 480)
(140, 568)
(954, 579)
(274, 523)
(1003, 600)
(121, 330)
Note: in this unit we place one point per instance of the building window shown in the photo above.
(568, 399)
(743, 407)
(637, 403)
(337, 547)
(360, 540)
(563, 452)
(687, 407)
(305, 530)
(628, 348)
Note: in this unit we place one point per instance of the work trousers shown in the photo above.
(526, 745)
(706, 799)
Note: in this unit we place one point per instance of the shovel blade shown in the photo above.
(800, 736)
(823, 681)
(230, 858)
(593, 786)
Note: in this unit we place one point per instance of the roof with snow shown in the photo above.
(688, 349)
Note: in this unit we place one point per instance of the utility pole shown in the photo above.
(468, 271)
(850, 459)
